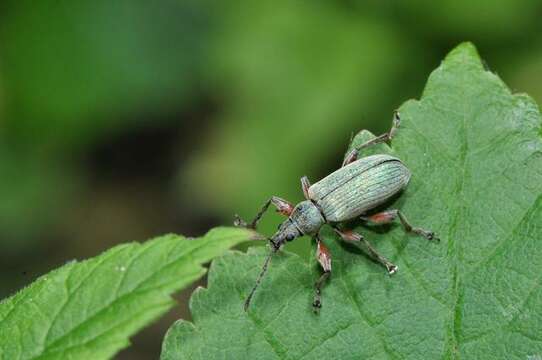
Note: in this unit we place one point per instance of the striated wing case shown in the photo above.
(360, 186)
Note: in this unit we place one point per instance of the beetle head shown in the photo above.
(287, 232)
(304, 219)
(307, 217)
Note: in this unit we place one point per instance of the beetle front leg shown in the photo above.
(354, 153)
(284, 207)
(357, 239)
(324, 258)
(388, 216)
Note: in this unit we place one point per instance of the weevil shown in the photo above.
(357, 187)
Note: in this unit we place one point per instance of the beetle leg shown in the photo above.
(388, 216)
(357, 239)
(354, 153)
(284, 207)
(324, 258)
(305, 185)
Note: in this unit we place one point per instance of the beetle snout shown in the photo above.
(286, 232)
(275, 242)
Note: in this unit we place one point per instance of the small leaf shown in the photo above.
(476, 159)
(88, 309)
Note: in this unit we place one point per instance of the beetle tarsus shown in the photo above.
(392, 269)
(317, 303)
(395, 124)
(242, 223)
(429, 235)
(316, 306)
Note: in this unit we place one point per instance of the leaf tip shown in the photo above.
(254, 235)
(464, 53)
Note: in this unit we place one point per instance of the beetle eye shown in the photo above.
(289, 237)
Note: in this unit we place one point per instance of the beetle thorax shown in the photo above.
(307, 217)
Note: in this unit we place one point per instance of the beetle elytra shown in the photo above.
(350, 192)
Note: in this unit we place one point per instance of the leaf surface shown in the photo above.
(475, 153)
(89, 309)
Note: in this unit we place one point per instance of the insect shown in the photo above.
(351, 192)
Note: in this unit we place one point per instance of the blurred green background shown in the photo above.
(123, 120)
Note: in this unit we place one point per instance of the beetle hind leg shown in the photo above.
(357, 239)
(387, 136)
(389, 216)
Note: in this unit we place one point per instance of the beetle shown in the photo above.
(350, 192)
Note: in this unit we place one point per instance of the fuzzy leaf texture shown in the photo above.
(89, 309)
(475, 153)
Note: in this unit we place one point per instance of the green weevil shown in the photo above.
(350, 192)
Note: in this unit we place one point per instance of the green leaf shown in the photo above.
(476, 158)
(88, 309)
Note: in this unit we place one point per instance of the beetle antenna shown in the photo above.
(262, 273)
